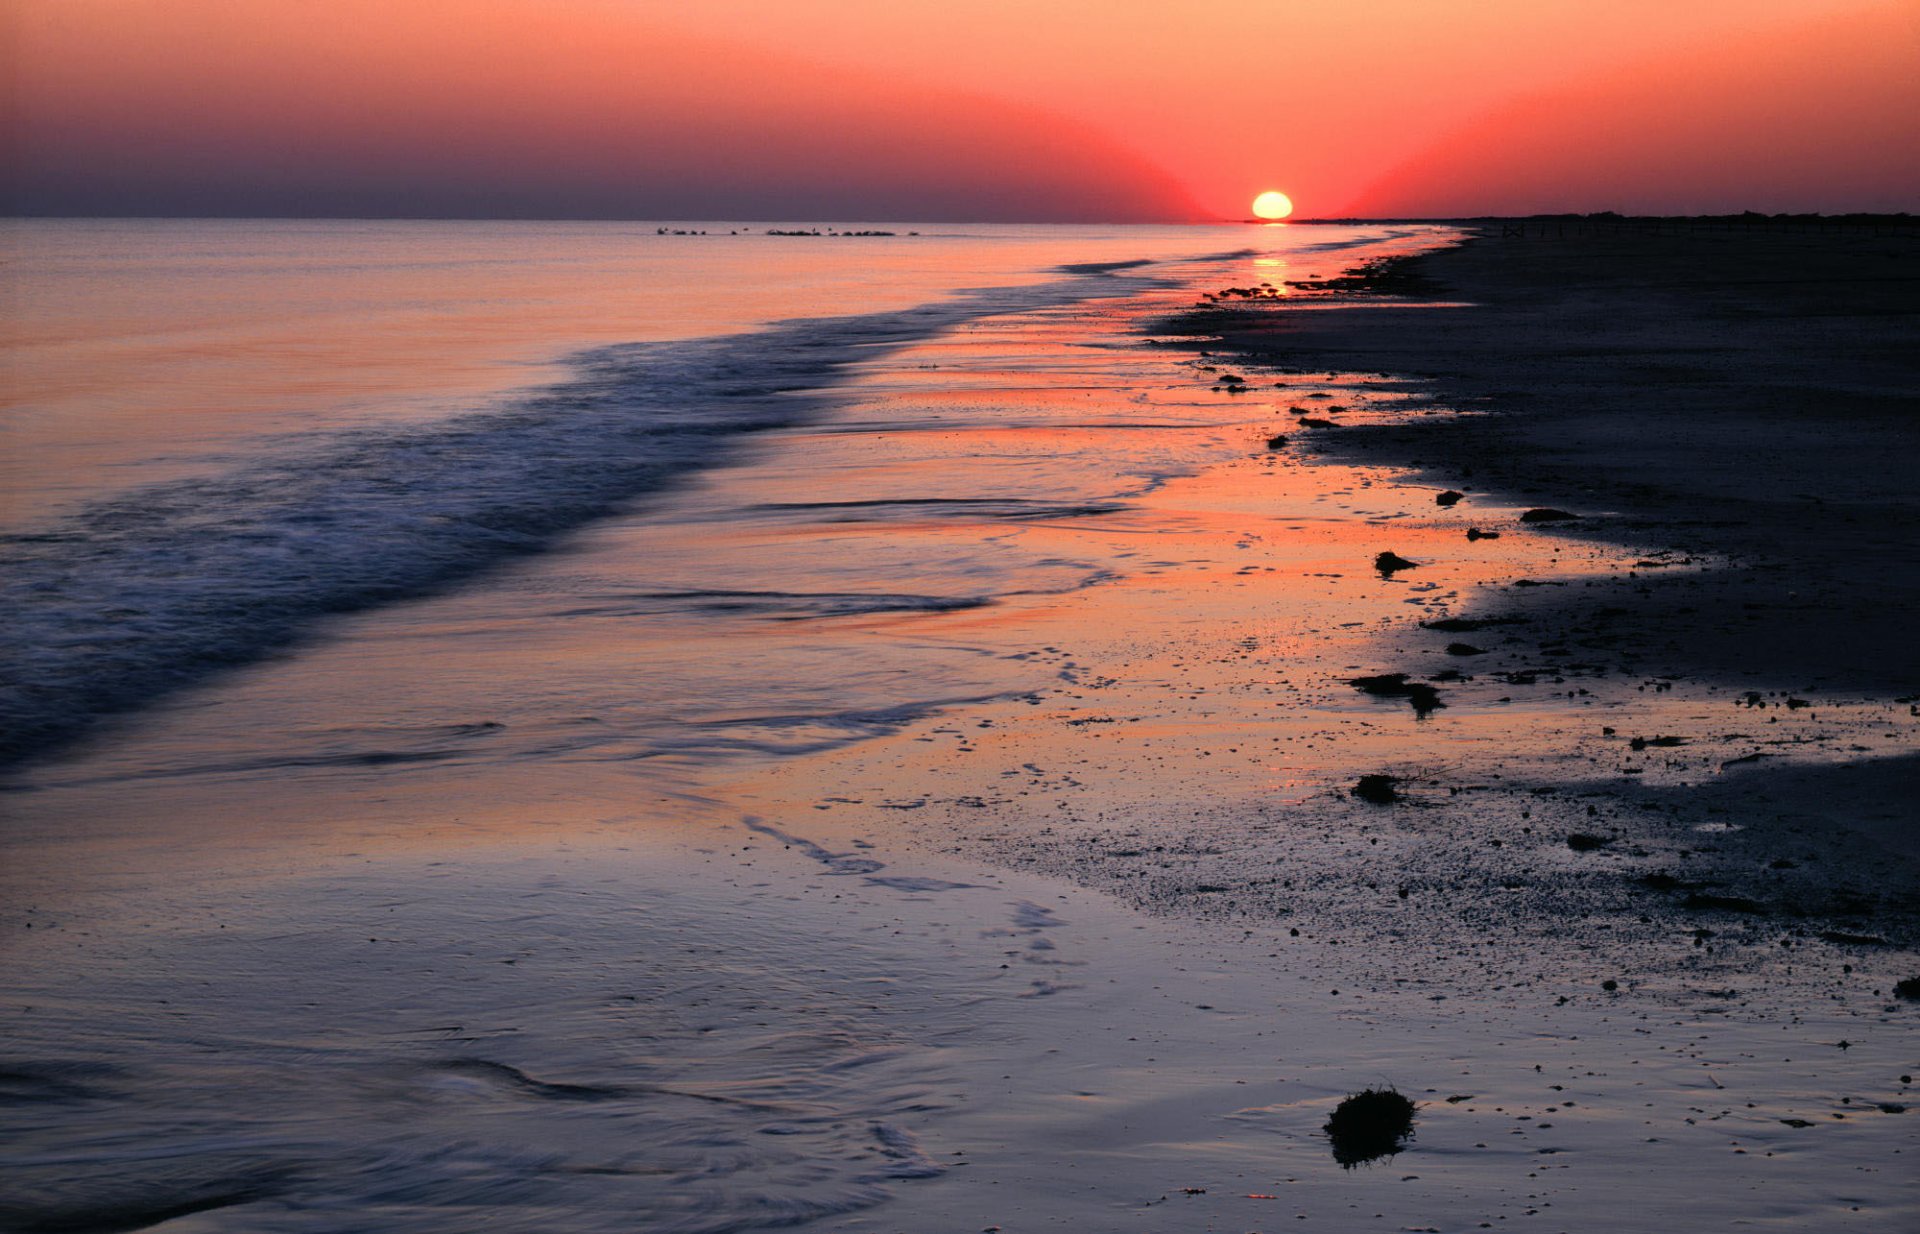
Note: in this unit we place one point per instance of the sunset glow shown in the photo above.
(1272, 205)
(646, 615)
(871, 109)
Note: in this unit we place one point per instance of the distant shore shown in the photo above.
(1605, 219)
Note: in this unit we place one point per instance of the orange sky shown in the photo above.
(892, 109)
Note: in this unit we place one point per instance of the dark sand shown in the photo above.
(1747, 397)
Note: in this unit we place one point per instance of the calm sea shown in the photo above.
(219, 433)
(410, 628)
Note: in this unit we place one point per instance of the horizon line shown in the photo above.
(1318, 220)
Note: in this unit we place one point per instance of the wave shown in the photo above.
(128, 600)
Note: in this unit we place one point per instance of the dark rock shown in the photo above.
(1423, 697)
(1448, 498)
(1276, 441)
(1464, 649)
(1474, 533)
(1583, 842)
(1377, 790)
(1370, 1124)
(1909, 989)
(1316, 422)
(1388, 563)
(1547, 514)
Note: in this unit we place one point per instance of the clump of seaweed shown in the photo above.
(1370, 1124)
(1419, 694)
(1377, 790)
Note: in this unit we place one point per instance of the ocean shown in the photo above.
(576, 728)
(463, 591)
(224, 435)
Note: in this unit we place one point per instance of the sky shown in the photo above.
(875, 110)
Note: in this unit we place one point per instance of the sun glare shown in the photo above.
(1272, 205)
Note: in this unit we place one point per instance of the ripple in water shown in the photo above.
(564, 1050)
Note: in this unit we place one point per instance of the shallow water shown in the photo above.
(530, 1044)
(338, 638)
(188, 498)
(304, 568)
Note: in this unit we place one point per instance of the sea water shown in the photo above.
(353, 570)
(221, 433)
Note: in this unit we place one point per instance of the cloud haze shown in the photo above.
(849, 110)
(503, 108)
(1823, 117)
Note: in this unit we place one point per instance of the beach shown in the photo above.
(894, 768)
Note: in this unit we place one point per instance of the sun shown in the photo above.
(1272, 205)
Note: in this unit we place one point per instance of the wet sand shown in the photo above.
(1671, 781)
(1049, 909)
(760, 1030)
(1746, 395)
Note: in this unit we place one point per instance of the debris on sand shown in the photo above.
(1465, 649)
(1276, 441)
(1450, 497)
(1474, 533)
(1586, 842)
(1316, 422)
(1461, 625)
(1909, 989)
(1378, 790)
(1422, 696)
(1387, 563)
(1547, 514)
(1370, 1124)
(1641, 743)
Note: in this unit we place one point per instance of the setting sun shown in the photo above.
(1272, 205)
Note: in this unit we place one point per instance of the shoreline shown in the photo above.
(1159, 711)
(1683, 353)
(1707, 407)
(1593, 791)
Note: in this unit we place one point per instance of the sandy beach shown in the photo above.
(985, 618)
(938, 814)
